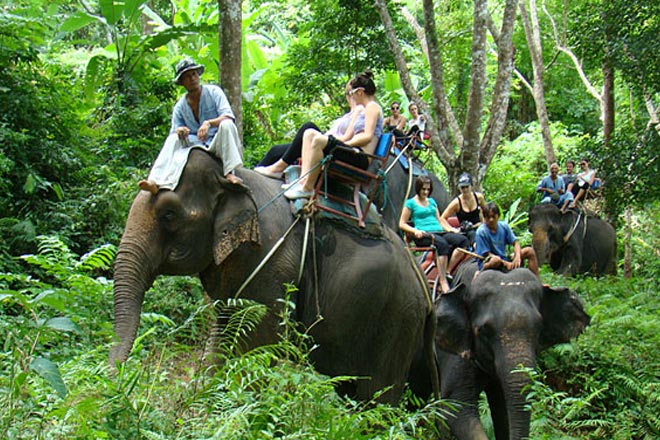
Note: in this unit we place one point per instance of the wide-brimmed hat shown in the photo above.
(464, 180)
(185, 65)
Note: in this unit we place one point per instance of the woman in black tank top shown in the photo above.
(467, 207)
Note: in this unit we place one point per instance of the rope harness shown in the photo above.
(572, 231)
(310, 231)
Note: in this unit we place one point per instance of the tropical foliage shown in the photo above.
(85, 101)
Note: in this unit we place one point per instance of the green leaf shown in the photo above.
(94, 75)
(49, 371)
(30, 184)
(63, 324)
(111, 10)
(77, 21)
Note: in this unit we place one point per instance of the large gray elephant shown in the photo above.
(363, 294)
(487, 327)
(572, 242)
(400, 184)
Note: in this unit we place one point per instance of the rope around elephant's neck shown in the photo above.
(570, 233)
(266, 258)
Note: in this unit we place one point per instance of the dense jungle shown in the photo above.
(508, 88)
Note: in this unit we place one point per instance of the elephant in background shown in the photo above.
(572, 242)
(401, 186)
(372, 300)
(488, 327)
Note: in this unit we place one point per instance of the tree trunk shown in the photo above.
(627, 245)
(500, 104)
(230, 35)
(607, 103)
(469, 158)
(461, 150)
(532, 34)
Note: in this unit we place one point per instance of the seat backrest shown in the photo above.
(453, 221)
(383, 146)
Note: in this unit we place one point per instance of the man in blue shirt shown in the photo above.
(491, 240)
(553, 188)
(201, 118)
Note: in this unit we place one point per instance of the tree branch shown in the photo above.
(576, 62)
(500, 102)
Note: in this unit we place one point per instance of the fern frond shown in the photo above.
(240, 318)
(99, 258)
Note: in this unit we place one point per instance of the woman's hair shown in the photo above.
(366, 81)
(420, 182)
(492, 209)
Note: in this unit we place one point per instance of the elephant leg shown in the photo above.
(498, 413)
(459, 383)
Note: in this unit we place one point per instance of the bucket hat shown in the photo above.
(185, 65)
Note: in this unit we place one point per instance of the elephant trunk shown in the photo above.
(541, 245)
(514, 385)
(133, 276)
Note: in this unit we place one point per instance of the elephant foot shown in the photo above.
(233, 178)
(148, 185)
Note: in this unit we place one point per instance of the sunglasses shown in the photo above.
(354, 91)
(394, 107)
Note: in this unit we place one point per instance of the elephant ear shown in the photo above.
(236, 221)
(563, 314)
(453, 322)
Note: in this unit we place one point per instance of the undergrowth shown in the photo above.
(56, 382)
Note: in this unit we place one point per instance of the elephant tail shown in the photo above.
(429, 352)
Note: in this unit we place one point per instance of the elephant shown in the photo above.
(401, 186)
(572, 242)
(487, 327)
(360, 296)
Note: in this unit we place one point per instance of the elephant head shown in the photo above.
(178, 232)
(573, 242)
(549, 227)
(506, 319)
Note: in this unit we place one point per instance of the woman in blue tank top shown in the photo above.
(429, 228)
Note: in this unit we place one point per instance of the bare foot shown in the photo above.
(234, 179)
(148, 185)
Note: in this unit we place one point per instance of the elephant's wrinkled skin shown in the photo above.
(400, 187)
(373, 306)
(571, 243)
(498, 322)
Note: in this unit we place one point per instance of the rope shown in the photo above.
(319, 317)
(396, 159)
(304, 250)
(384, 186)
(316, 276)
(570, 233)
(281, 193)
(325, 174)
(410, 176)
(265, 259)
(422, 280)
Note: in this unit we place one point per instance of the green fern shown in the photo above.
(99, 258)
(240, 318)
